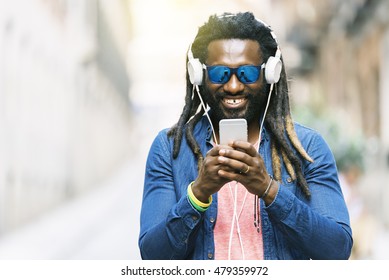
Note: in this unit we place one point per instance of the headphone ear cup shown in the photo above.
(273, 70)
(195, 71)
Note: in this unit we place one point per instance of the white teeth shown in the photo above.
(233, 101)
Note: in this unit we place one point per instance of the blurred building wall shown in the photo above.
(351, 79)
(64, 110)
(340, 73)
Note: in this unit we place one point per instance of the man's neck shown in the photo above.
(253, 132)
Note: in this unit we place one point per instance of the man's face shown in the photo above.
(235, 99)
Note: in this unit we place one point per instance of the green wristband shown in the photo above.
(197, 207)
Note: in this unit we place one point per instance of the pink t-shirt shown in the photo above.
(250, 244)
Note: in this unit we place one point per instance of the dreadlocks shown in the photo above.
(285, 146)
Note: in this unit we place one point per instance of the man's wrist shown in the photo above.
(272, 193)
(269, 185)
(196, 203)
(198, 193)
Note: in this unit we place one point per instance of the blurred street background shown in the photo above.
(85, 85)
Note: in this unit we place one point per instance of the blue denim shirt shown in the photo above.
(292, 226)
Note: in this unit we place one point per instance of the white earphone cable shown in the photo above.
(232, 225)
(235, 217)
(264, 115)
(206, 112)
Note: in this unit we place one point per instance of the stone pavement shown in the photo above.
(101, 224)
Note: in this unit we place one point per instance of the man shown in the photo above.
(276, 196)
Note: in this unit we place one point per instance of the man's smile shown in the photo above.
(234, 102)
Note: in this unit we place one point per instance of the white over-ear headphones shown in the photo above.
(273, 65)
(195, 69)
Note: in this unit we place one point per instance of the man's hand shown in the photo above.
(244, 164)
(209, 181)
(239, 161)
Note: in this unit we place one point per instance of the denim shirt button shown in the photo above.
(194, 218)
(210, 255)
(289, 180)
(212, 219)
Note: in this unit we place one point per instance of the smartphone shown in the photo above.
(232, 129)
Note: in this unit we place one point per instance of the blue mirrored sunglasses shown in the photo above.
(247, 74)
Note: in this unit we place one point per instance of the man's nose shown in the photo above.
(233, 85)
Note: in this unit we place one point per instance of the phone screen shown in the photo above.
(232, 129)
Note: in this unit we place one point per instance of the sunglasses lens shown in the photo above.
(219, 74)
(247, 74)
